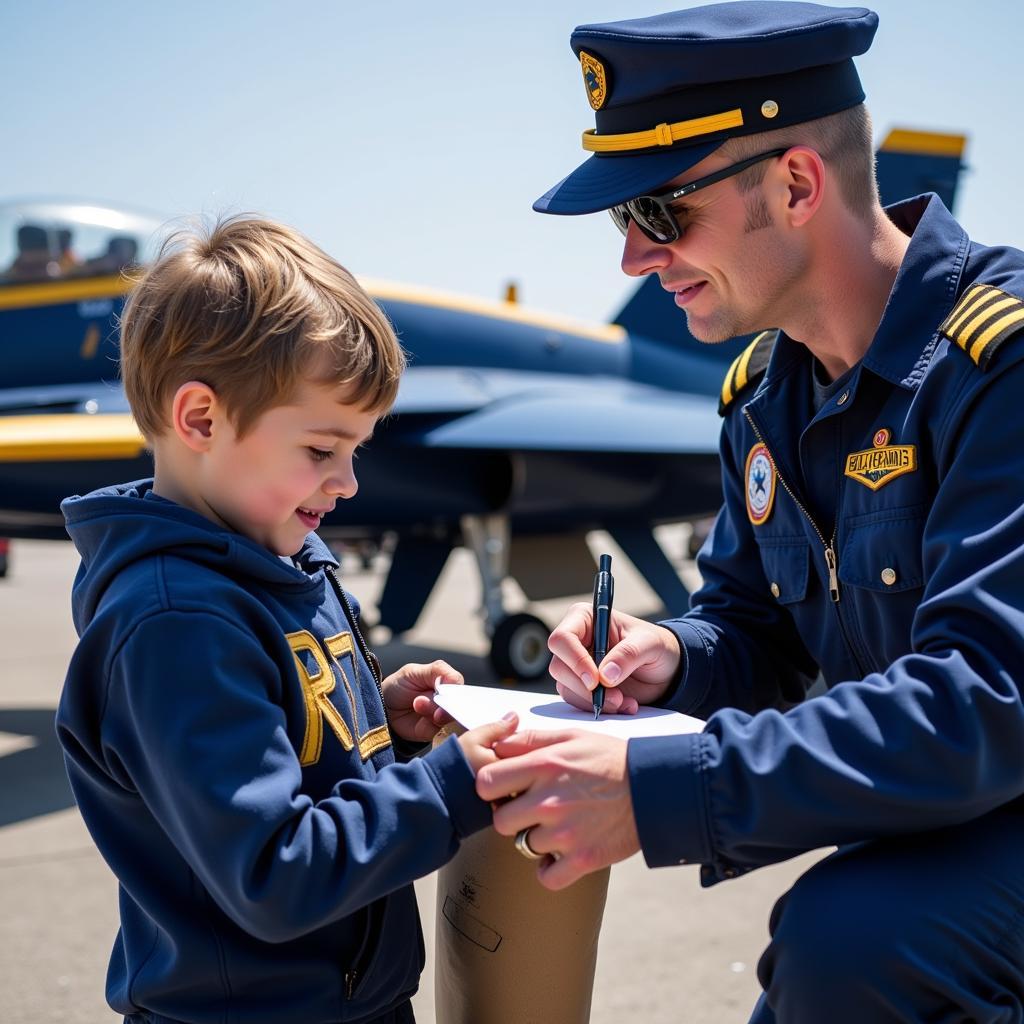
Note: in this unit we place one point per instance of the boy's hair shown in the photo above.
(250, 308)
(842, 140)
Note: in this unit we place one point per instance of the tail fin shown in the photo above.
(650, 312)
(662, 350)
(911, 162)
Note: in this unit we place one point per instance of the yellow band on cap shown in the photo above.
(662, 134)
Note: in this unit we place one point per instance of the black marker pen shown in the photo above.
(604, 589)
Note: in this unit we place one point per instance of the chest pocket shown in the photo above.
(882, 551)
(785, 562)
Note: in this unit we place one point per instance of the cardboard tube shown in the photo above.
(508, 951)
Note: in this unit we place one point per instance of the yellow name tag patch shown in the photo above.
(877, 466)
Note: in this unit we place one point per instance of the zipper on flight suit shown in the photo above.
(830, 546)
(831, 562)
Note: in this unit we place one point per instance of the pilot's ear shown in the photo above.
(803, 171)
(195, 412)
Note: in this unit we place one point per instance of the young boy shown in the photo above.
(227, 735)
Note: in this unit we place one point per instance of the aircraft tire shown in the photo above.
(519, 648)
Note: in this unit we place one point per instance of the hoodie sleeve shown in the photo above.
(205, 744)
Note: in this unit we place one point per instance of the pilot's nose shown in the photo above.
(641, 256)
(342, 481)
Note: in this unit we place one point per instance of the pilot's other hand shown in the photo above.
(571, 790)
(641, 662)
(409, 699)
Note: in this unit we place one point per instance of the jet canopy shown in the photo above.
(51, 240)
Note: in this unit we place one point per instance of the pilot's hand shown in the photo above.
(409, 699)
(571, 790)
(641, 662)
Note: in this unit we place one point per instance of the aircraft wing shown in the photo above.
(522, 411)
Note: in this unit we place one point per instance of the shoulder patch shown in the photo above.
(982, 320)
(747, 368)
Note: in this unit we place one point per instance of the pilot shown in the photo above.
(121, 253)
(872, 532)
(68, 260)
(33, 262)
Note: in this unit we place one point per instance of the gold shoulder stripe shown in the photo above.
(728, 385)
(746, 368)
(982, 320)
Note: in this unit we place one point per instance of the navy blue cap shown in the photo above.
(669, 90)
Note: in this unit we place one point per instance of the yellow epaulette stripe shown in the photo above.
(967, 306)
(982, 320)
(736, 379)
(993, 330)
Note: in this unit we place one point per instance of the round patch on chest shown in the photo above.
(760, 476)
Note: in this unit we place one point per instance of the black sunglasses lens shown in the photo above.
(653, 219)
(649, 216)
(620, 217)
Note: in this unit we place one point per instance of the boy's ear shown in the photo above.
(194, 414)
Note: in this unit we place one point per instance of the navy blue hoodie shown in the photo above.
(227, 745)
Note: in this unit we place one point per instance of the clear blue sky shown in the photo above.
(410, 138)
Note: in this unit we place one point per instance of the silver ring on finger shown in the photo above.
(524, 847)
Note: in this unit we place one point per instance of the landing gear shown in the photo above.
(519, 643)
(519, 648)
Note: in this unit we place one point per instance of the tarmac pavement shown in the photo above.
(670, 952)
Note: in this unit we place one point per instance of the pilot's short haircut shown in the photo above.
(253, 309)
(842, 140)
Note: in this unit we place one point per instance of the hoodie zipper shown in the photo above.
(369, 946)
(354, 974)
(829, 546)
(368, 655)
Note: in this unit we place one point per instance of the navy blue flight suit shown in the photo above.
(880, 541)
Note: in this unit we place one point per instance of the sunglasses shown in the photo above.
(652, 214)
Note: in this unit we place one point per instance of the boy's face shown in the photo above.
(276, 483)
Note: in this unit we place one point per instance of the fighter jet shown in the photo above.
(515, 433)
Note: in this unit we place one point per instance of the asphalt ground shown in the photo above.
(669, 952)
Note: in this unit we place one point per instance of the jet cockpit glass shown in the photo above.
(47, 241)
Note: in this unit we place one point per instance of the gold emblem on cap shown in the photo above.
(594, 79)
(769, 108)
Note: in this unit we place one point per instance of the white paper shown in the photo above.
(471, 706)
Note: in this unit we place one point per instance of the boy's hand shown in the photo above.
(477, 743)
(409, 699)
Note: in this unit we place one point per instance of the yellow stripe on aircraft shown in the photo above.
(50, 293)
(47, 293)
(611, 334)
(903, 140)
(69, 437)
